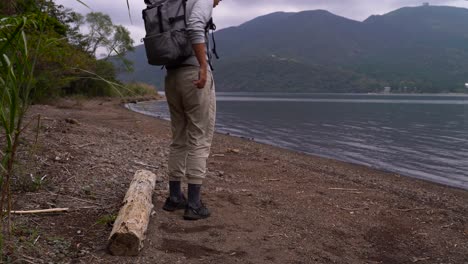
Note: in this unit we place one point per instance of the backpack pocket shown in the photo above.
(168, 48)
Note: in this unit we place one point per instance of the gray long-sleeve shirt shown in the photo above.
(198, 14)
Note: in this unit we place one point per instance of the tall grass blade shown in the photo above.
(12, 37)
(114, 85)
(25, 42)
(129, 13)
(7, 61)
(83, 3)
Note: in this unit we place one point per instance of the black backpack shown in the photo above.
(167, 42)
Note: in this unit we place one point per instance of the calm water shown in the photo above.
(420, 136)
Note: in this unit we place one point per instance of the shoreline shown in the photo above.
(461, 185)
(270, 205)
(370, 94)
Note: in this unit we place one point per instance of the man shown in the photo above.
(190, 93)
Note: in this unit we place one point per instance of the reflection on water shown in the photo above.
(421, 136)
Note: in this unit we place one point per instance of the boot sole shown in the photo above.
(194, 218)
(172, 209)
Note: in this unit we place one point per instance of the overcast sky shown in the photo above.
(236, 12)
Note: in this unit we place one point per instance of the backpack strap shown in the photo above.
(215, 52)
(173, 20)
(185, 12)
(211, 26)
(161, 27)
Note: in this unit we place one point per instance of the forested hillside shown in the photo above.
(413, 49)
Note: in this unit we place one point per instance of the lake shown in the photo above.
(423, 136)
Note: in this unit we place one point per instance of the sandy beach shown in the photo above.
(269, 205)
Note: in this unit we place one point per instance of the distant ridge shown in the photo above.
(412, 50)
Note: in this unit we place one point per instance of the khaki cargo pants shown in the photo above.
(193, 113)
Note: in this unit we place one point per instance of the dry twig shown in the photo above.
(42, 211)
(86, 145)
(146, 165)
(353, 209)
(411, 209)
(342, 189)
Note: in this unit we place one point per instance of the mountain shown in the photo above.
(412, 49)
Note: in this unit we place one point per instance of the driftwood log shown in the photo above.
(128, 234)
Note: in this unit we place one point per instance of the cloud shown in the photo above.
(236, 12)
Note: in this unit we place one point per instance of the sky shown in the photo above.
(235, 12)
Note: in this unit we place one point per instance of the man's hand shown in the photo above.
(202, 77)
(200, 53)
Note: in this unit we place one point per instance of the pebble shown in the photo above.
(86, 189)
(72, 121)
(236, 151)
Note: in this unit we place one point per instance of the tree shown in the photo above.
(100, 28)
(75, 37)
(121, 42)
(115, 39)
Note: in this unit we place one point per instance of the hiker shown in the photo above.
(190, 92)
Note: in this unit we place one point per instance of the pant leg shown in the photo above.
(178, 147)
(200, 112)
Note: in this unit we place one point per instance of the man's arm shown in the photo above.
(199, 17)
(200, 53)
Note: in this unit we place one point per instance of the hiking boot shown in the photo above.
(196, 213)
(172, 205)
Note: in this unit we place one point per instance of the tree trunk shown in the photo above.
(129, 230)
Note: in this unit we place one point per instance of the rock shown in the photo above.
(86, 189)
(72, 121)
(235, 151)
(220, 173)
(415, 259)
(160, 180)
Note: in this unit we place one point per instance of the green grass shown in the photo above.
(139, 89)
(22, 40)
(17, 63)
